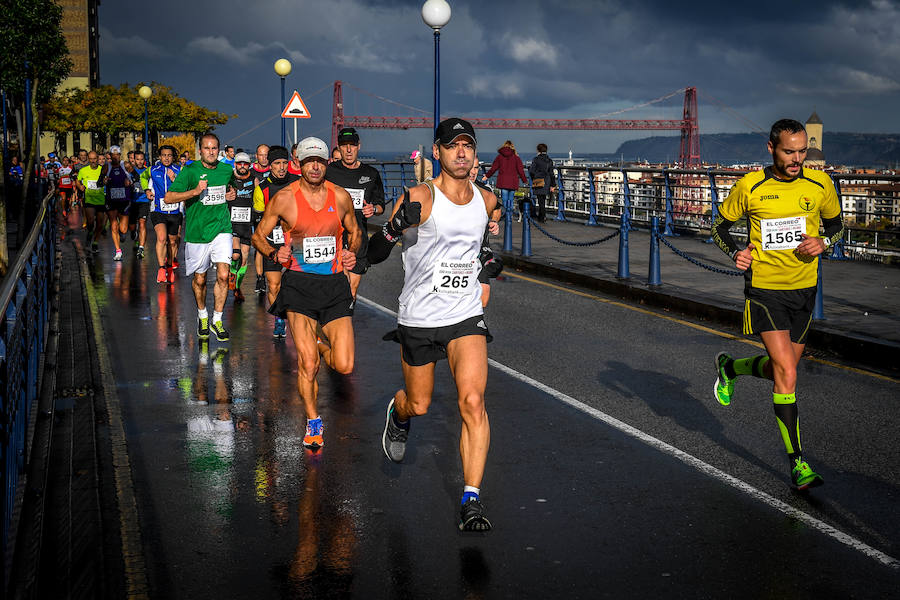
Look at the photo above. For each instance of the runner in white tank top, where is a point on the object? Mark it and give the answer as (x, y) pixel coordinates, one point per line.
(440, 315)
(440, 260)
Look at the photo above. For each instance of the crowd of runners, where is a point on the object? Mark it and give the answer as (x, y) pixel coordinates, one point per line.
(304, 211)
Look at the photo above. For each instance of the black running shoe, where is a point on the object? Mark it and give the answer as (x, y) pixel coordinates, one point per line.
(260, 285)
(218, 329)
(203, 328)
(472, 517)
(393, 439)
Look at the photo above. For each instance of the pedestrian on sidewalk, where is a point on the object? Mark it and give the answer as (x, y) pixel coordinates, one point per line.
(510, 170)
(543, 180)
(423, 168)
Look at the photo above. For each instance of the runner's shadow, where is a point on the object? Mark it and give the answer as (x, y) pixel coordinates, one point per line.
(667, 396)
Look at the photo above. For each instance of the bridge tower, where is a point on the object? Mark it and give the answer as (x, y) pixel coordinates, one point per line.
(337, 113)
(690, 131)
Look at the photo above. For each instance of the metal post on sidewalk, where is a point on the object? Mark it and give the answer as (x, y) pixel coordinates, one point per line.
(837, 251)
(592, 219)
(670, 221)
(624, 271)
(714, 203)
(560, 197)
(507, 231)
(626, 200)
(653, 277)
(819, 308)
(526, 227)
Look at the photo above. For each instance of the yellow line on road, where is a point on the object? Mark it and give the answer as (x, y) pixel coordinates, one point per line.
(136, 582)
(723, 334)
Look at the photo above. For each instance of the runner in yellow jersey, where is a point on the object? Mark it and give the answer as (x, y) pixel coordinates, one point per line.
(785, 205)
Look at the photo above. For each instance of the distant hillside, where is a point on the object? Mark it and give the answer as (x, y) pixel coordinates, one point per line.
(855, 149)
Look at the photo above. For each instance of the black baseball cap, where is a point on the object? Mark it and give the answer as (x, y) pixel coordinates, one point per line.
(348, 135)
(450, 129)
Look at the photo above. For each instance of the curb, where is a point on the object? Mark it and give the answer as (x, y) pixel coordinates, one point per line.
(864, 351)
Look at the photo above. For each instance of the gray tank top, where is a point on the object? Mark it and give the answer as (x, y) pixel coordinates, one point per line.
(440, 260)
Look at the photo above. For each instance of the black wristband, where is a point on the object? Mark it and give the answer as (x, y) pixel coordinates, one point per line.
(273, 255)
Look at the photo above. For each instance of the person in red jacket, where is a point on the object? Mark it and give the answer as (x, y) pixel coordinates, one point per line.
(510, 170)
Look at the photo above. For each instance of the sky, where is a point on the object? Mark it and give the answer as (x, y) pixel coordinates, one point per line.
(751, 62)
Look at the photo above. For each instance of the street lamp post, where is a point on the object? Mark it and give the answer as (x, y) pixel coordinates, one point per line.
(145, 92)
(282, 69)
(436, 14)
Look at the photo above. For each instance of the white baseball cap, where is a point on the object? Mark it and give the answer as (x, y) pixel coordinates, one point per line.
(115, 150)
(242, 157)
(311, 146)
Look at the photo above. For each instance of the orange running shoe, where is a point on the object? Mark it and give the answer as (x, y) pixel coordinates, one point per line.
(161, 276)
(313, 438)
(172, 274)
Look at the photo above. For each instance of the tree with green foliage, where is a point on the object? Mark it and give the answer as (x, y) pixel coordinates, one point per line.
(33, 48)
(109, 110)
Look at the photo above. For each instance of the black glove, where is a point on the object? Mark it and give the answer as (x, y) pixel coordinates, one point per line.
(409, 214)
(491, 265)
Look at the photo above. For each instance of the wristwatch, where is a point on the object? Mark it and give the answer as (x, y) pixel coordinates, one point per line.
(826, 241)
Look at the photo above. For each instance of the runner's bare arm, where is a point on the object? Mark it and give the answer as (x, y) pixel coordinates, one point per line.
(407, 213)
(176, 197)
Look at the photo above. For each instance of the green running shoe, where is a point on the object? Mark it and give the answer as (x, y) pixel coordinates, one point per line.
(724, 387)
(218, 328)
(203, 329)
(803, 477)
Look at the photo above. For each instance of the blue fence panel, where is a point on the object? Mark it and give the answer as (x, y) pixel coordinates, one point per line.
(24, 298)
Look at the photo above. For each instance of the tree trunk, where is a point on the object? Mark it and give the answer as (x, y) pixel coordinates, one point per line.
(29, 172)
(4, 249)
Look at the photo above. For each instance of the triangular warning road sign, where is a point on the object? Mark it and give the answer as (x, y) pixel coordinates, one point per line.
(295, 109)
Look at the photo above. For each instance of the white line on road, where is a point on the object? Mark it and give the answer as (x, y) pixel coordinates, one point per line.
(686, 458)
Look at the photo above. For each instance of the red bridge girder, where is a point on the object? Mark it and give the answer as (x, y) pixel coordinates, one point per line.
(688, 125)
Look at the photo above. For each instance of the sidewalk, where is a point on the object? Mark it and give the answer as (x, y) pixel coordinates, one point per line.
(861, 300)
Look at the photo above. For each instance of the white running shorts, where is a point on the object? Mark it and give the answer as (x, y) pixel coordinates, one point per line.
(198, 258)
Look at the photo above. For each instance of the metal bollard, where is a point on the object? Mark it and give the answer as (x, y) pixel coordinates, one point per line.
(560, 198)
(819, 309)
(624, 271)
(653, 277)
(526, 227)
(592, 218)
(670, 222)
(507, 231)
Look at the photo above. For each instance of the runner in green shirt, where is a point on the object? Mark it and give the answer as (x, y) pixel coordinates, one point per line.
(88, 182)
(204, 188)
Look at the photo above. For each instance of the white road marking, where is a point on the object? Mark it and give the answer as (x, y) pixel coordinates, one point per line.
(686, 458)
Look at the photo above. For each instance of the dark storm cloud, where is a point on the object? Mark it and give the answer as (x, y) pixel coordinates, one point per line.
(761, 60)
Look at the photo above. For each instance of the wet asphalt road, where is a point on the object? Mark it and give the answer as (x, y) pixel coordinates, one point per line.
(231, 505)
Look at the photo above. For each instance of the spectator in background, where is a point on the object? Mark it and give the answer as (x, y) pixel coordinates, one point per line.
(185, 158)
(16, 174)
(510, 170)
(423, 173)
(543, 180)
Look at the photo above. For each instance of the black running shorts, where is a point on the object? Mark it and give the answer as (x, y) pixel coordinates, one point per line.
(171, 221)
(424, 345)
(138, 210)
(120, 205)
(322, 298)
(269, 265)
(779, 310)
(242, 231)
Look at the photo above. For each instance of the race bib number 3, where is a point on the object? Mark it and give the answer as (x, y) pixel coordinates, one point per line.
(319, 249)
(358, 196)
(163, 205)
(240, 214)
(782, 234)
(117, 193)
(457, 277)
(215, 194)
(91, 184)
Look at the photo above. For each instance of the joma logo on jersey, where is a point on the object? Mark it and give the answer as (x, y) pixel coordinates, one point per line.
(808, 204)
(769, 197)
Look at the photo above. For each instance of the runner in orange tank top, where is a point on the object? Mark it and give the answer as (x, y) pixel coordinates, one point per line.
(314, 290)
(316, 234)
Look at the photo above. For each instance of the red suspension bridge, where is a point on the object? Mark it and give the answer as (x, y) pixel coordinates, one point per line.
(688, 124)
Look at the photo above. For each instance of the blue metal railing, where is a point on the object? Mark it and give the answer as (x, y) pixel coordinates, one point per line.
(688, 200)
(25, 298)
